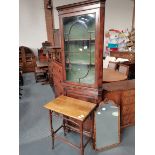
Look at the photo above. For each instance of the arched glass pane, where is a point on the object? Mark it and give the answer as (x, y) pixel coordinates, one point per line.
(79, 41)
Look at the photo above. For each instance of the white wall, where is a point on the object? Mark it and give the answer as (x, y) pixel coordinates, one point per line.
(32, 25)
(60, 3)
(118, 13)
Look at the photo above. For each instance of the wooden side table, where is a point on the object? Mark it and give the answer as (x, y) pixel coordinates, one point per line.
(72, 108)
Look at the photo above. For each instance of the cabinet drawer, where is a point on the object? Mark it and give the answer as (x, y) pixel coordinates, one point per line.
(127, 109)
(82, 94)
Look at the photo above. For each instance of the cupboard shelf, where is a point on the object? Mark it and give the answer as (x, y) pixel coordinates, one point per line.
(80, 40)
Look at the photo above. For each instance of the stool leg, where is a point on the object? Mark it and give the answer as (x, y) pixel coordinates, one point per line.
(81, 139)
(52, 130)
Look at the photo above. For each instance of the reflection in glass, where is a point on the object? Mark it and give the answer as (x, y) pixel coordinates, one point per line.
(107, 124)
(79, 42)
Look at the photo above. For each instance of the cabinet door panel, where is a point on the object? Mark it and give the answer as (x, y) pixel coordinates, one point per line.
(128, 93)
(79, 43)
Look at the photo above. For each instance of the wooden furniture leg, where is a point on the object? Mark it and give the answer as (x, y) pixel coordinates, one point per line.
(52, 130)
(92, 132)
(81, 139)
(64, 126)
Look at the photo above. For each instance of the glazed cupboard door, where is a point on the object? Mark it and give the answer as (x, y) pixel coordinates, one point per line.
(79, 48)
(82, 33)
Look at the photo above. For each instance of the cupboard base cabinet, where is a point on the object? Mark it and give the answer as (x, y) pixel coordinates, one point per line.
(123, 94)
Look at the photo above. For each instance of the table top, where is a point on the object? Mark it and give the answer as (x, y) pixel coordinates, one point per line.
(119, 85)
(71, 107)
(110, 75)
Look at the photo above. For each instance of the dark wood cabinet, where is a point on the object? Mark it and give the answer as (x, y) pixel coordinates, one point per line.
(123, 94)
(27, 60)
(82, 31)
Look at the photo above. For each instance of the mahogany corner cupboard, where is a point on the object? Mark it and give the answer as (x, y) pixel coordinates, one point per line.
(82, 34)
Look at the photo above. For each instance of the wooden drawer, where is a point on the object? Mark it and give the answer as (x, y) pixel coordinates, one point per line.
(127, 109)
(82, 97)
(82, 93)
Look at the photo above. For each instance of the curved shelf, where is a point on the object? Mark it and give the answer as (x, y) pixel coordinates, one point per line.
(80, 39)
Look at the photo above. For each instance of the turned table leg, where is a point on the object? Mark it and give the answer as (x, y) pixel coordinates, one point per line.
(92, 132)
(64, 126)
(81, 139)
(52, 130)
